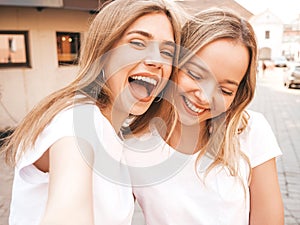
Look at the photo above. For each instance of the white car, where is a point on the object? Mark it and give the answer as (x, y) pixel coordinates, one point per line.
(291, 78)
(280, 61)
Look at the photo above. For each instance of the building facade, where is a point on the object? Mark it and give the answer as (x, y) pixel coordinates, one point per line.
(38, 48)
(291, 40)
(269, 32)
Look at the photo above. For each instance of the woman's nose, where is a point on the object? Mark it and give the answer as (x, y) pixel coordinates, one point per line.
(152, 62)
(205, 92)
(202, 97)
(153, 56)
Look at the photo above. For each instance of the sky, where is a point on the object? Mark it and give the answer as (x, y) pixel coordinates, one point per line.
(286, 10)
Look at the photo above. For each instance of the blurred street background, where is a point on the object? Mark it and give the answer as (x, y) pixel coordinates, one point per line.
(281, 107)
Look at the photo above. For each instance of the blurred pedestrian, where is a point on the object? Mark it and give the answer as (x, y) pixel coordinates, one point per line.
(264, 67)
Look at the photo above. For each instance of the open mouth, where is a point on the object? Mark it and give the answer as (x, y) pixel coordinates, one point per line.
(191, 106)
(142, 87)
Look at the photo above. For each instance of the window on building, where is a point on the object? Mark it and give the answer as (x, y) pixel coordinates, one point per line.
(14, 49)
(267, 34)
(67, 47)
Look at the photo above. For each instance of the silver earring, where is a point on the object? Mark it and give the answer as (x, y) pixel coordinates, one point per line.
(159, 97)
(102, 75)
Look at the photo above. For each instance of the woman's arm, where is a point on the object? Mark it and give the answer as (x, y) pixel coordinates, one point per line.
(70, 199)
(266, 207)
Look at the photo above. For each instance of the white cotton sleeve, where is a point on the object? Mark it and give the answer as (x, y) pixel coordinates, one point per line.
(258, 140)
(72, 122)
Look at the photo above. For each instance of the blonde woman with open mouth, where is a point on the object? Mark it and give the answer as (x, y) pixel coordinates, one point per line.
(67, 152)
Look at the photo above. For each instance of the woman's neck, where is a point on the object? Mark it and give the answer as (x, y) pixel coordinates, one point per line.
(116, 118)
(187, 139)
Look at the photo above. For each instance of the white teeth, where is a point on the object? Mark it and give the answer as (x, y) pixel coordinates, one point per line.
(145, 79)
(192, 107)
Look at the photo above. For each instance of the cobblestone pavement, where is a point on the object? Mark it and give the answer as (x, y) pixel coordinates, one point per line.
(6, 177)
(281, 107)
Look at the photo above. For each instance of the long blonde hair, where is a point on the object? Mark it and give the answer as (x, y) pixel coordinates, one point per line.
(107, 27)
(220, 136)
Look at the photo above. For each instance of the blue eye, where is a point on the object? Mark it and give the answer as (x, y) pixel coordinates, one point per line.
(137, 43)
(167, 53)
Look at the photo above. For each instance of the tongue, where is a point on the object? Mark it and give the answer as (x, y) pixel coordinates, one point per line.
(140, 91)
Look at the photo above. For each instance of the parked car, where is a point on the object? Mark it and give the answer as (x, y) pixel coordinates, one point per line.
(291, 78)
(280, 61)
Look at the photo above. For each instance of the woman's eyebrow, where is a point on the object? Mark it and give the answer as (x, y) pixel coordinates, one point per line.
(200, 66)
(150, 36)
(230, 82)
(169, 43)
(143, 33)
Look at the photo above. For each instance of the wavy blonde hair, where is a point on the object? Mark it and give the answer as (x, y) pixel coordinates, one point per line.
(106, 28)
(220, 138)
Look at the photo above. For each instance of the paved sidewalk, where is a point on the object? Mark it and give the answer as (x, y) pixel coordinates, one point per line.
(6, 177)
(281, 107)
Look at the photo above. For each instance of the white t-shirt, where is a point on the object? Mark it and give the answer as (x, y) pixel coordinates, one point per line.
(113, 202)
(170, 192)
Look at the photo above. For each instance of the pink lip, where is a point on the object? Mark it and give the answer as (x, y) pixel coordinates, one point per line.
(188, 109)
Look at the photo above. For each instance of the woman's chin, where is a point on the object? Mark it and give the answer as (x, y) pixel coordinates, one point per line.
(139, 108)
(187, 120)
